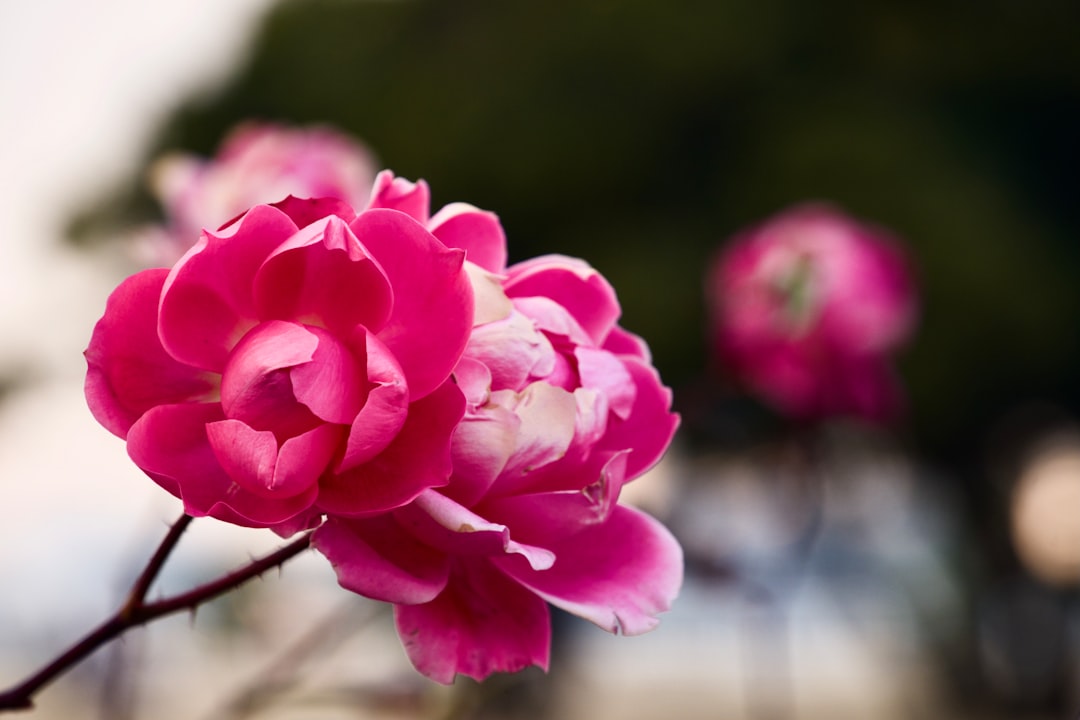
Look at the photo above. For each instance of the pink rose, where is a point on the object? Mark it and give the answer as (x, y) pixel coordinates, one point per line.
(807, 310)
(563, 407)
(293, 363)
(257, 163)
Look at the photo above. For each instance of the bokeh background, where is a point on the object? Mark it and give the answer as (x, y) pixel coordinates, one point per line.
(640, 136)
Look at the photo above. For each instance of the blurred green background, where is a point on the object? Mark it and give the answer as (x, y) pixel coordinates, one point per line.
(640, 135)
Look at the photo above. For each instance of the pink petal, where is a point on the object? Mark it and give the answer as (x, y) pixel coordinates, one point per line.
(417, 459)
(489, 301)
(482, 623)
(206, 303)
(513, 350)
(619, 574)
(322, 276)
(128, 371)
(256, 386)
(396, 193)
(572, 283)
(170, 444)
(433, 301)
(477, 232)
(551, 317)
(385, 409)
(545, 518)
(474, 380)
(333, 385)
(483, 443)
(602, 371)
(623, 342)
(547, 428)
(454, 529)
(304, 211)
(648, 430)
(376, 558)
(254, 461)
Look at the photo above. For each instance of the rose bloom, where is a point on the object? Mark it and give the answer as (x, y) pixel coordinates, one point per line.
(563, 407)
(293, 363)
(257, 163)
(807, 310)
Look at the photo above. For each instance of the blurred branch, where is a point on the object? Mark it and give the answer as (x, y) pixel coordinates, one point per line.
(136, 611)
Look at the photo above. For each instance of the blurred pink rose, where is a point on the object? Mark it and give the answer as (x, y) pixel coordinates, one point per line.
(257, 163)
(293, 363)
(563, 407)
(807, 310)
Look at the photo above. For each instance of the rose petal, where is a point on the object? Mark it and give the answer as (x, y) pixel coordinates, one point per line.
(545, 517)
(397, 193)
(482, 445)
(170, 444)
(256, 386)
(384, 411)
(333, 385)
(547, 428)
(304, 211)
(376, 558)
(602, 371)
(322, 276)
(513, 350)
(417, 459)
(433, 301)
(619, 574)
(482, 623)
(648, 430)
(451, 527)
(623, 342)
(207, 303)
(490, 302)
(128, 371)
(572, 283)
(477, 232)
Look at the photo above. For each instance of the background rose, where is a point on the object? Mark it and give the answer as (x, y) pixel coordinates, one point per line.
(563, 408)
(257, 163)
(295, 362)
(807, 310)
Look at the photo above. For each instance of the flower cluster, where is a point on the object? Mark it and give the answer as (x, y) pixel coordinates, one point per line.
(456, 430)
(807, 310)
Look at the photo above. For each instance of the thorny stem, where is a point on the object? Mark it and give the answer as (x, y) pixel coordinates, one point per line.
(136, 611)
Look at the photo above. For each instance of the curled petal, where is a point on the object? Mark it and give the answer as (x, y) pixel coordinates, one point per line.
(433, 301)
(513, 350)
(207, 302)
(548, 417)
(474, 380)
(395, 193)
(417, 459)
(376, 558)
(332, 385)
(482, 623)
(380, 419)
(618, 574)
(322, 276)
(602, 371)
(254, 461)
(304, 211)
(256, 385)
(572, 283)
(648, 430)
(549, 517)
(551, 317)
(128, 371)
(451, 527)
(170, 444)
(477, 232)
(483, 444)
